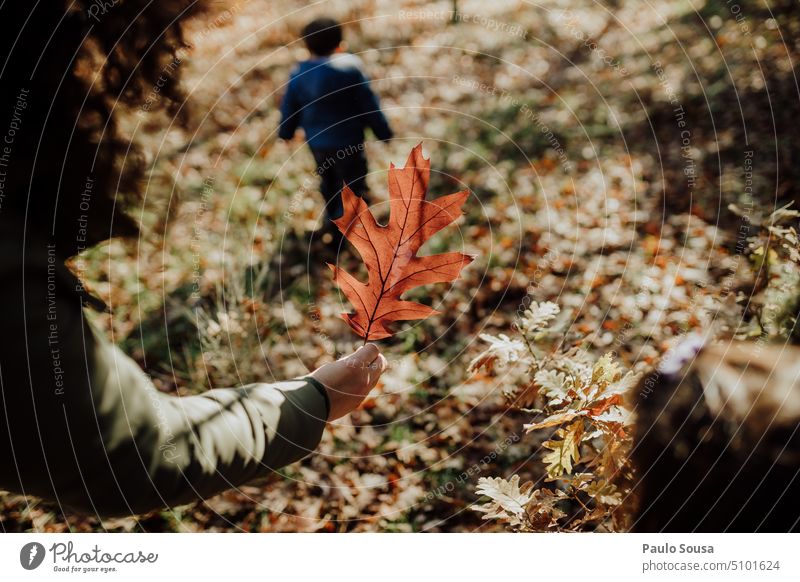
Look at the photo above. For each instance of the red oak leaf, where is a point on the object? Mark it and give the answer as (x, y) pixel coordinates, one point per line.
(390, 252)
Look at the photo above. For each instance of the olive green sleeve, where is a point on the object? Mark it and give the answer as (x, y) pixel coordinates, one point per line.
(197, 446)
(83, 426)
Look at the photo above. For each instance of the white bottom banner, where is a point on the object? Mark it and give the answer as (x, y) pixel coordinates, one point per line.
(390, 557)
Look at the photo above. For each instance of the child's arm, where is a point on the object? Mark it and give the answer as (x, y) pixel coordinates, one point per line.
(91, 430)
(371, 108)
(290, 113)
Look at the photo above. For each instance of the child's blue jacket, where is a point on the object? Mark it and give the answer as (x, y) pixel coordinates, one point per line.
(331, 100)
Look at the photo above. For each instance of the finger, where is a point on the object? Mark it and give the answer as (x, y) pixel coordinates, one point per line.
(366, 354)
(377, 365)
(374, 371)
(382, 363)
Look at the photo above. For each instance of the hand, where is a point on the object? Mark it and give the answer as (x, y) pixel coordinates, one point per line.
(349, 379)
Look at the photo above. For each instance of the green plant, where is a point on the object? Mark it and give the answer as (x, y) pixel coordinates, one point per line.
(581, 402)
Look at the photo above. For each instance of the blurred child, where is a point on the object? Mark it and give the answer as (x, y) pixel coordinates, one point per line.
(329, 97)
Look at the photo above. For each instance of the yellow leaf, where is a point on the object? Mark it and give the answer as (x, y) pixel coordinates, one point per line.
(565, 452)
(555, 420)
(606, 370)
(604, 492)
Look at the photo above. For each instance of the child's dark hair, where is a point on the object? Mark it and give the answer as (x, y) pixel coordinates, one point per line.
(322, 36)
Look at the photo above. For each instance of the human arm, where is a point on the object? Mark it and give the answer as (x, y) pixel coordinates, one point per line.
(370, 107)
(86, 428)
(290, 113)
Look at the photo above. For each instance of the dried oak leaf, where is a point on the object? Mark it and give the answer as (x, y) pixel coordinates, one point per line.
(507, 499)
(390, 252)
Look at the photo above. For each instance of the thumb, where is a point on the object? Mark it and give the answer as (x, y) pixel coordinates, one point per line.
(365, 355)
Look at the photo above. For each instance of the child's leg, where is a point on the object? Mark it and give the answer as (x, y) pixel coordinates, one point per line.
(330, 182)
(353, 172)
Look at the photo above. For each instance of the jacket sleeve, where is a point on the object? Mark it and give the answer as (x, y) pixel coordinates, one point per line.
(371, 108)
(290, 112)
(197, 446)
(86, 428)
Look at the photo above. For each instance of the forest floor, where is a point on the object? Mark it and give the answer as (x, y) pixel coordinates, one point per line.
(601, 145)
